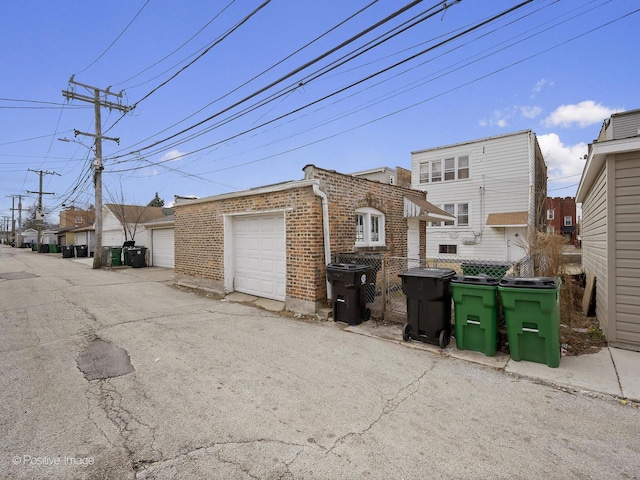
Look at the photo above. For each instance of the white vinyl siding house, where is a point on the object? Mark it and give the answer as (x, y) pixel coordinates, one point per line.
(505, 174)
(609, 192)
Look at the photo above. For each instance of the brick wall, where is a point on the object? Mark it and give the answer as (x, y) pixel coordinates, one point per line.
(563, 207)
(199, 229)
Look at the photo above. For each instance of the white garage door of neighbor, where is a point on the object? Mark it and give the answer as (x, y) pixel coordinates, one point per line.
(259, 256)
(162, 247)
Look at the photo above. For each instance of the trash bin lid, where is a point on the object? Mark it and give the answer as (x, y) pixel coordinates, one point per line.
(533, 282)
(347, 267)
(483, 280)
(428, 272)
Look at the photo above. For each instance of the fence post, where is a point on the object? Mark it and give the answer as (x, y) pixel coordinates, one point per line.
(385, 287)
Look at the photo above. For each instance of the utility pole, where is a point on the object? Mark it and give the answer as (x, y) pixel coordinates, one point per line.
(19, 242)
(98, 102)
(39, 211)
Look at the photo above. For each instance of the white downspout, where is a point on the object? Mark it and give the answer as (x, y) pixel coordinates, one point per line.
(325, 228)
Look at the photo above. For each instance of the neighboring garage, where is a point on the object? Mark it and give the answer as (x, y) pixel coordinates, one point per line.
(161, 242)
(259, 255)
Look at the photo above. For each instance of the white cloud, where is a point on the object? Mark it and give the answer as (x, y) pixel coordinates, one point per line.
(171, 155)
(540, 84)
(582, 114)
(530, 111)
(505, 117)
(565, 163)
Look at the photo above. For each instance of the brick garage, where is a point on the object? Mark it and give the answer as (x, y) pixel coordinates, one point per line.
(204, 226)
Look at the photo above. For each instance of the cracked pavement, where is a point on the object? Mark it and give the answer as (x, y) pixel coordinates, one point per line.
(225, 390)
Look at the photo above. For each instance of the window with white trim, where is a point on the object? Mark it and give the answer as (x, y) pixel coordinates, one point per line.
(550, 214)
(568, 221)
(369, 227)
(458, 210)
(447, 170)
(551, 230)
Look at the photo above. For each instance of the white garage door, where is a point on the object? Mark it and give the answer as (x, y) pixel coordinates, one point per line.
(162, 247)
(259, 256)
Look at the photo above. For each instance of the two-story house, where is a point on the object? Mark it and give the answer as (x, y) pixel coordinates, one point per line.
(562, 219)
(496, 188)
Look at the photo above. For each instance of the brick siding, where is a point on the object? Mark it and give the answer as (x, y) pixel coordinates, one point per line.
(199, 228)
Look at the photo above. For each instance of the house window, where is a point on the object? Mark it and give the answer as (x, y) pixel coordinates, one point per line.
(436, 171)
(550, 229)
(369, 227)
(448, 249)
(463, 214)
(424, 172)
(449, 168)
(458, 210)
(450, 208)
(568, 221)
(455, 168)
(463, 167)
(550, 214)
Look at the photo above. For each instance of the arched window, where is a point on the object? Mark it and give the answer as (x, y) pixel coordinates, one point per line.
(369, 227)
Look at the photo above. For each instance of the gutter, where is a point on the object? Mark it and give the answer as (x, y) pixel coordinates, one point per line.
(325, 228)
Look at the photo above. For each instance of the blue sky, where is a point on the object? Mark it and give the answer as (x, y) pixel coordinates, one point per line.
(231, 95)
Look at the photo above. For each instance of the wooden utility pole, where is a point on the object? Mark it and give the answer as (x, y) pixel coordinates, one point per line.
(98, 101)
(39, 211)
(19, 240)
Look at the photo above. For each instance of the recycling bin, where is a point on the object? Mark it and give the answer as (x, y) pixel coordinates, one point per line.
(428, 304)
(475, 302)
(137, 257)
(34, 247)
(532, 314)
(67, 251)
(495, 270)
(349, 284)
(53, 248)
(116, 256)
(82, 251)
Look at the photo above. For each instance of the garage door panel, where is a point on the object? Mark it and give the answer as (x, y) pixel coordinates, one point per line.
(162, 247)
(259, 251)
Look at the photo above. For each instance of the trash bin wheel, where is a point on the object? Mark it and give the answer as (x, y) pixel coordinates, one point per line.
(443, 339)
(367, 314)
(406, 333)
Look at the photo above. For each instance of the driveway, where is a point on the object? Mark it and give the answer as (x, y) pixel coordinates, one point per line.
(119, 375)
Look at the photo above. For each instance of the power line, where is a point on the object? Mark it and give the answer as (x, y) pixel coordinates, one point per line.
(174, 52)
(114, 41)
(291, 73)
(397, 111)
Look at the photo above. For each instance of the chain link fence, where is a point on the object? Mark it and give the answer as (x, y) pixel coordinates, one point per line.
(384, 292)
(396, 302)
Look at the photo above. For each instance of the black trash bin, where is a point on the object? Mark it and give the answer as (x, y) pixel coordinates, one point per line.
(137, 257)
(44, 248)
(126, 248)
(67, 251)
(82, 251)
(349, 284)
(371, 260)
(428, 292)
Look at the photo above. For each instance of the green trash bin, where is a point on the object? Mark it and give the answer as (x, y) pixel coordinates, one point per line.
(475, 300)
(532, 314)
(53, 248)
(116, 256)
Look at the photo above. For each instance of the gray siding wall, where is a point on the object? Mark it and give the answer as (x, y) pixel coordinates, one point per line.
(594, 243)
(627, 248)
(625, 125)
